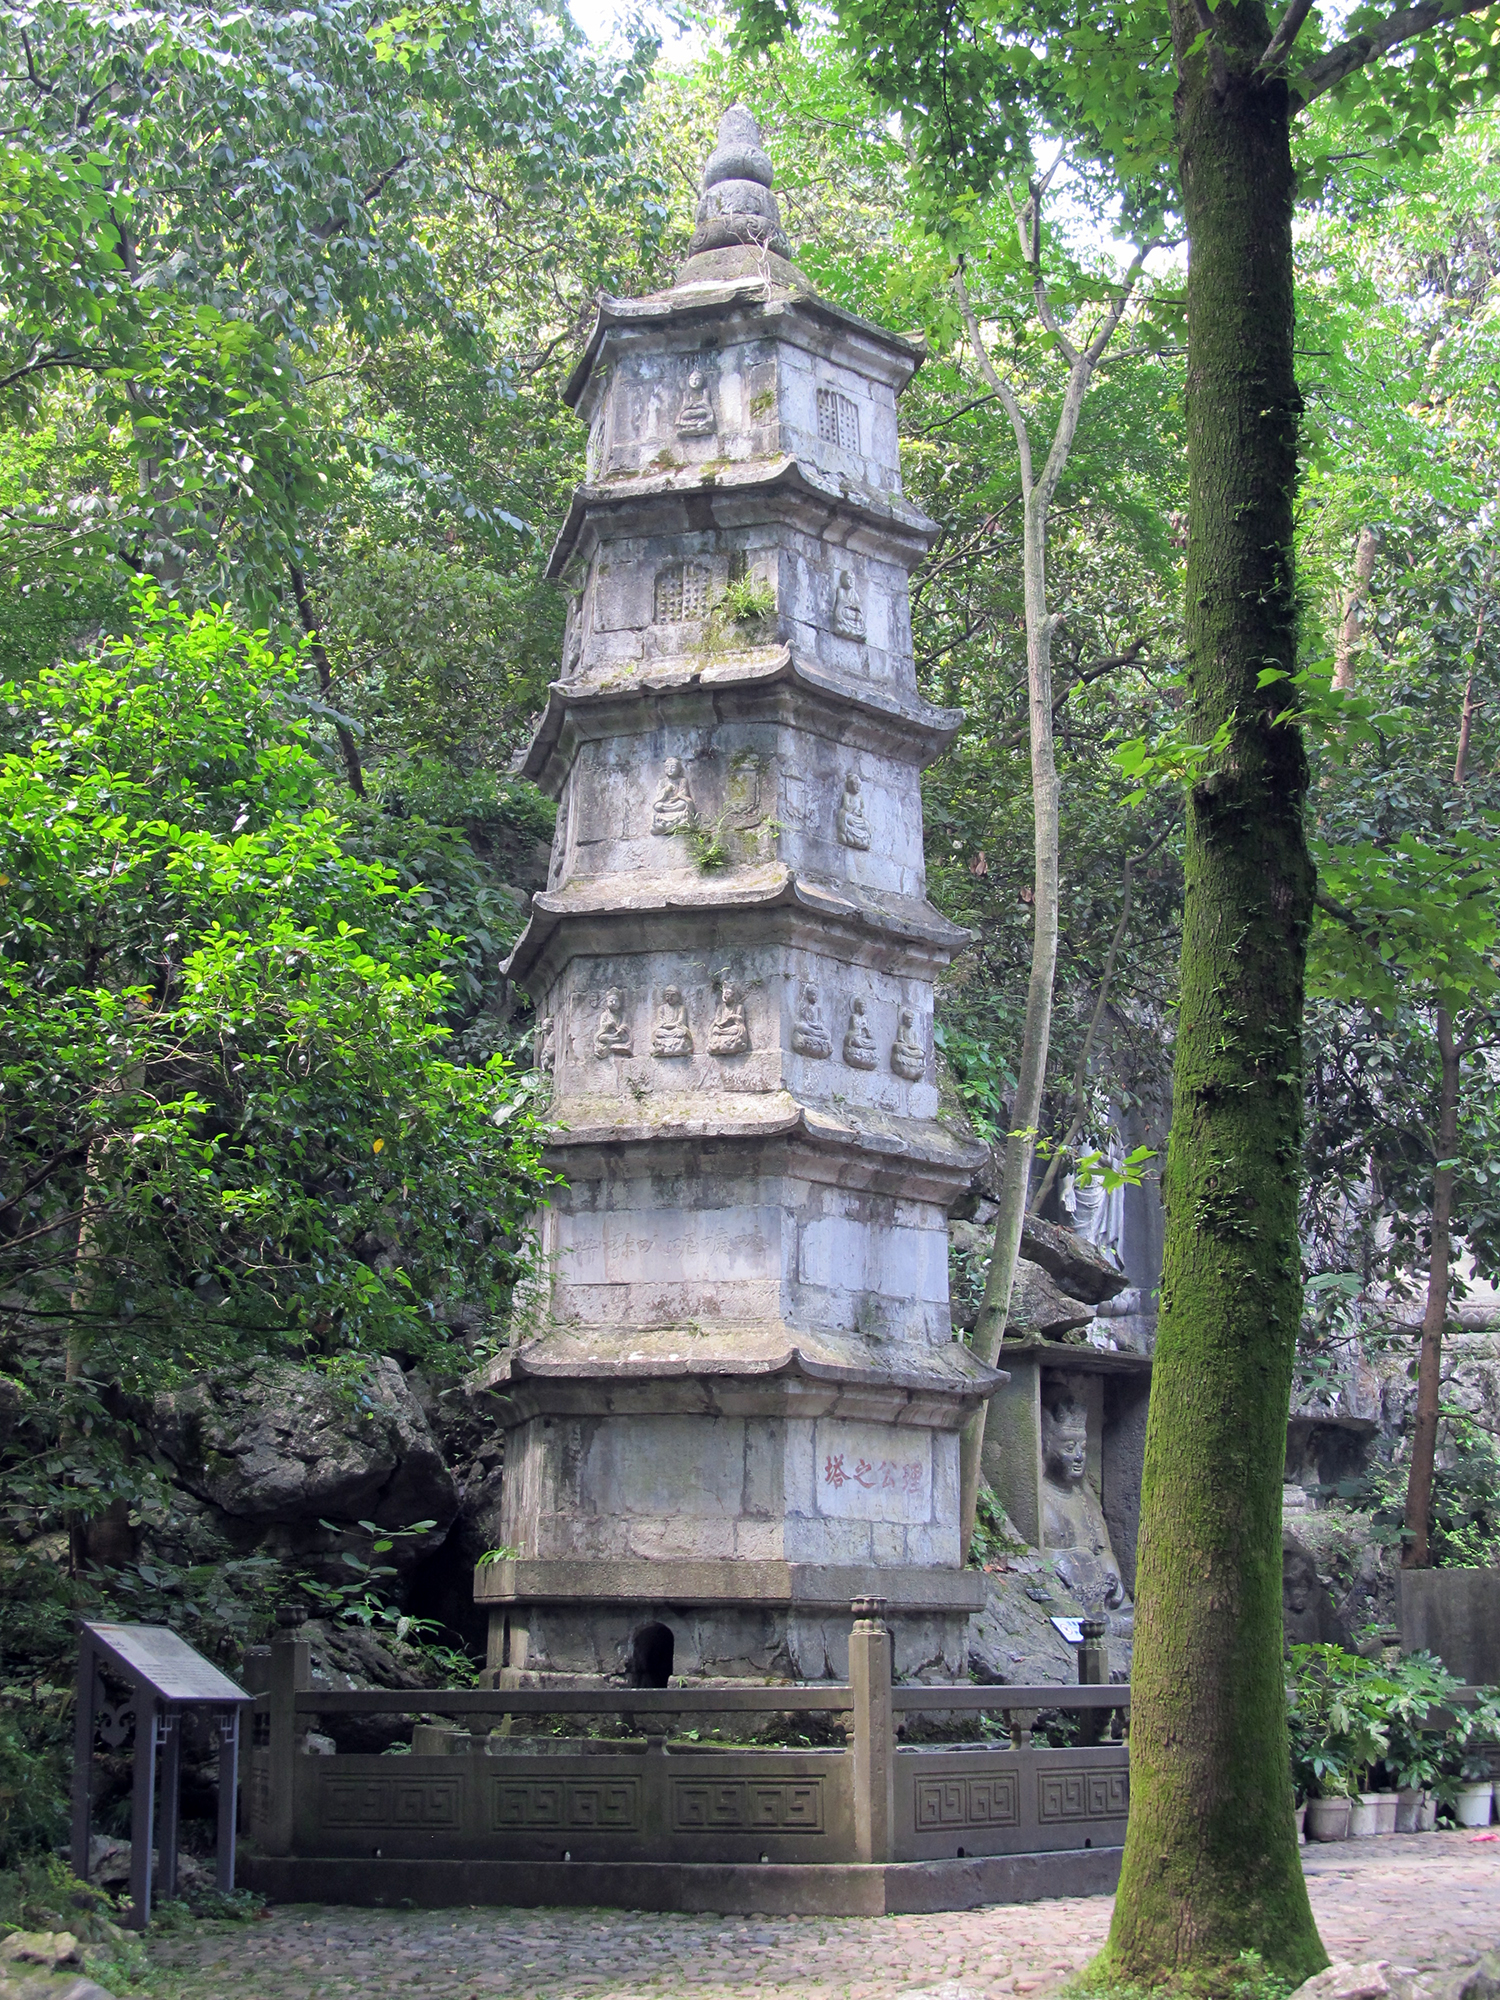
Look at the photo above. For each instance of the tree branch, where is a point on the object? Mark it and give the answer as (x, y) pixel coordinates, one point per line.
(324, 666)
(998, 385)
(1398, 26)
(1285, 35)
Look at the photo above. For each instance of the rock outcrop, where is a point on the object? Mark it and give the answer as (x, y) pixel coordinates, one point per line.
(273, 1448)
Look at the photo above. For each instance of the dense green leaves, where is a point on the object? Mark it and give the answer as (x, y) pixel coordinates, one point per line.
(228, 1121)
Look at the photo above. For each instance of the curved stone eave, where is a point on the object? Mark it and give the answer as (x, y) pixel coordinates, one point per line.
(709, 299)
(952, 1377)
(877, 1141)
(709, 491)
(627, 900)
(601, 702)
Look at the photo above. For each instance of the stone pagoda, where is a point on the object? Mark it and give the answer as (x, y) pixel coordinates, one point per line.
(734, 1404)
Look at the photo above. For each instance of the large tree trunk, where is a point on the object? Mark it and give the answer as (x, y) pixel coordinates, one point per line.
(1211, 1866)
(1418, 1521)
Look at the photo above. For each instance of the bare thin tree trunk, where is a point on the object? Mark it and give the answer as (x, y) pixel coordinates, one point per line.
(1415, 1553)
(1081, 1074)
(308, 614)
(1037, 491)
(1352, 624)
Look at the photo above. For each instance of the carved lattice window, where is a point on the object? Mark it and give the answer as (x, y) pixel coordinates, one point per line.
(681, 592)
(838, 420)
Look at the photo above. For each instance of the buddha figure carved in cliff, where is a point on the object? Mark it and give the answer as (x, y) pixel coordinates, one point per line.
(1073, 1521)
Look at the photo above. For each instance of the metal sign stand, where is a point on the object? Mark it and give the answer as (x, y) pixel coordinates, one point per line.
(167, 1679)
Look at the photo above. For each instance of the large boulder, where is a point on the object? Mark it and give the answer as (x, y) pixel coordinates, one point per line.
(1013, 1640)
(1080, 1269)
(273, 1444)
(1040, 1309)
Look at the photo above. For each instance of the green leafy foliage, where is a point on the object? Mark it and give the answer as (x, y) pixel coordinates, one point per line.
(229, 1121)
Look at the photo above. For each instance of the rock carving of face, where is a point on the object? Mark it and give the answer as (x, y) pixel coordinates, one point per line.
(1065, 1444)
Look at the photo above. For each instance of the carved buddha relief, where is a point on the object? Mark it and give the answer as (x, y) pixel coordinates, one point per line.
(695, 415)
(848, 613)
(672, 1036)
(612, 1036)
(544, 1045)
(1072, 1518)
(853, 827)
(908, 1056)
(730, 1033)
(809, 1036)
(672, 807)
(859, 1042)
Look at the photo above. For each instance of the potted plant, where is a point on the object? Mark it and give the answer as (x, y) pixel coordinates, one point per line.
(1416, 1728)
(1336, 1723)
(1475, 1730)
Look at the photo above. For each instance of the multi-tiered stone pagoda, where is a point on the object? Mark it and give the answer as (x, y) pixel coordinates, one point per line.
(735, 1404)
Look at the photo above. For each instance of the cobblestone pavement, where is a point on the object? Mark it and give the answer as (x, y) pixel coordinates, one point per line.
(1428, 1901)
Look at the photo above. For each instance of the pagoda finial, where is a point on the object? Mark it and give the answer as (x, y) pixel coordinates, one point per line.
(738, 209)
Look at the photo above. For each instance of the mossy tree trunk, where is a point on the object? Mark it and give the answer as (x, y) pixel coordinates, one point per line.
(1211, 1866)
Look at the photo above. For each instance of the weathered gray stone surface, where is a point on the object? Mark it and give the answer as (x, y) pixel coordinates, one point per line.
(1081, 1269)
(270, 1445)
(741, 1352)
(1040, 1309)
(1012, 1640)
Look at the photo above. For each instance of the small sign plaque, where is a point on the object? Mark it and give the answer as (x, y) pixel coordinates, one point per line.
(1071, 1629)
(165, 1661)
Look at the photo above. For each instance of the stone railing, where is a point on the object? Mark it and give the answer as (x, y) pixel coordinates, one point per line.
(515, 1819)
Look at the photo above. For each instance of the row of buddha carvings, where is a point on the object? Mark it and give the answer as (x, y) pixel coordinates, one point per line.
(673, 809)
(729, 1033)
(683, 592)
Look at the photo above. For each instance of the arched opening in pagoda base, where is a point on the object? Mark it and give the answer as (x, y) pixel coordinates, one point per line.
(651, 1651)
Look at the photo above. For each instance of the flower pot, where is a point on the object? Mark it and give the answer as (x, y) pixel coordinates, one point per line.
(1328, 1819)
(1473, 1803)
(1427, 1813)
(1387, 1805)
(1408, 1808)
(1300, 1816)
(1364, 1817)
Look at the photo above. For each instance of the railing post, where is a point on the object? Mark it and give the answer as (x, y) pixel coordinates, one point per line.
(874, 1748)
(290, 1674)
(1093, 1671)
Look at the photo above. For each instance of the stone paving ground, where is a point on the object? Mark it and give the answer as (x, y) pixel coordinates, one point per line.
(1424, 1902)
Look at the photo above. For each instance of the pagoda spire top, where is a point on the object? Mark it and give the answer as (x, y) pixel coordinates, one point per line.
(738, 210)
